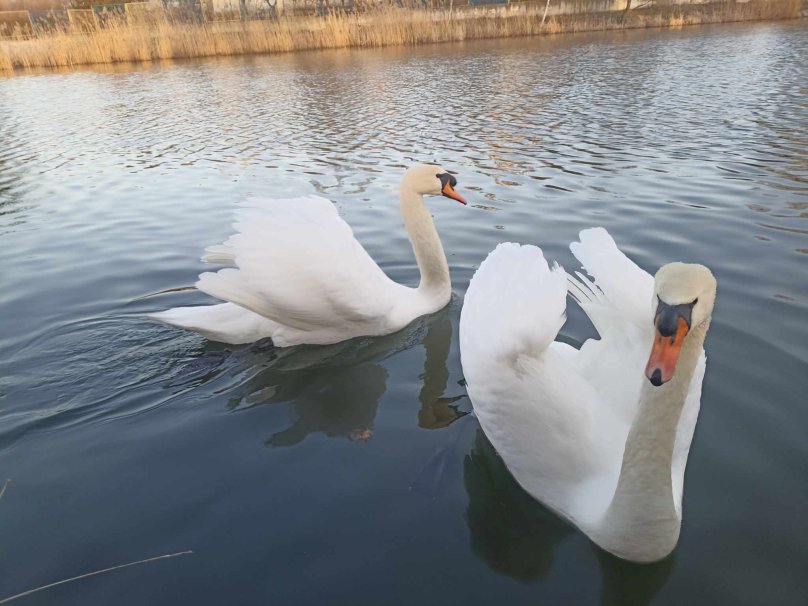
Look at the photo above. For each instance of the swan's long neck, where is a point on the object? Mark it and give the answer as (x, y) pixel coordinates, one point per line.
(642, 522)
(435, 280)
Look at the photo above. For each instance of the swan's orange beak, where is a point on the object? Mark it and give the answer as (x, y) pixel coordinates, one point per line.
(447, 188)
(672, 323)
(449, 192)
(665, 354)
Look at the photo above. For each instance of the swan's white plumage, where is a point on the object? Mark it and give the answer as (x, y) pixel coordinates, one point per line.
(220, 254)
(225, 322)
(624, 290)
(297, 266)
(559, 417)
(621, 303)
(297, 274)
(526, 293)
(298, 260)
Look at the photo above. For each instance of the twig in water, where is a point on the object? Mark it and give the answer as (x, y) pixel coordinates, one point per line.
(163, 292)
(3, 490)
(89, 574)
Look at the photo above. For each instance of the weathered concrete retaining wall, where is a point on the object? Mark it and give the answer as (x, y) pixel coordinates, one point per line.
(13, 12)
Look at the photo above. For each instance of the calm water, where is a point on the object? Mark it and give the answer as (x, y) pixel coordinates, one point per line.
(353, 474)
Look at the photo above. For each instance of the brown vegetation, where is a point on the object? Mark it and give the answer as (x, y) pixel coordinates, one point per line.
(147, 38)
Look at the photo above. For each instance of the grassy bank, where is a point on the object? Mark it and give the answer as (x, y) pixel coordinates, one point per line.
(122, 42)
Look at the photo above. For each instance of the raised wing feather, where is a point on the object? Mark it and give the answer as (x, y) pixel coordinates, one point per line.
(618, 301)
(298, 264)
(524, 387)
(559, 417)
(514, 305)
(621, 291)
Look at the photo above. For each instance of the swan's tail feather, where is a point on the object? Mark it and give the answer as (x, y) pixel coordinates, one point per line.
(220, 254)
(197, 319)
(226, 322)
(515, 304)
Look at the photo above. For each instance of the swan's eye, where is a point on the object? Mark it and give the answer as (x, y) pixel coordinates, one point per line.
(696, 300)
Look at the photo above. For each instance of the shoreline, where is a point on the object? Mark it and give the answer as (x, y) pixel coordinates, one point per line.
(123, 42)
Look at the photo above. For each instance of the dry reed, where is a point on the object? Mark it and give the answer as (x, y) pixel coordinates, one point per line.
(92, 574)
(86, 574)
(159, 39)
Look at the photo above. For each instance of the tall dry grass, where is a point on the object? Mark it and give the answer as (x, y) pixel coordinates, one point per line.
(159, 39)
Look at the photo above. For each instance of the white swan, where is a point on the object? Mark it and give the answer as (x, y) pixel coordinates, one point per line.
(300, 276)
(601, 434)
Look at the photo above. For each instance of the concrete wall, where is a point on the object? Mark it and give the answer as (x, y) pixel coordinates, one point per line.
(227, 10)
(219, 9)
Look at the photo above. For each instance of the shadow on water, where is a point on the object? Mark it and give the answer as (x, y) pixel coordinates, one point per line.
(333, 390)
(510, 531)
(631, 584)
(518, 537)
(340, 403)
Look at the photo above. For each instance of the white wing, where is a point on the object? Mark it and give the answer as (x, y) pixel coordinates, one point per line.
(530, 400)
(557, 416)
(620, 305)
(514, 305)
(298, 264)
(622, 292)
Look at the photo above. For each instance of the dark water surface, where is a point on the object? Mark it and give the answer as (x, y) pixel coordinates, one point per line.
(352, 474)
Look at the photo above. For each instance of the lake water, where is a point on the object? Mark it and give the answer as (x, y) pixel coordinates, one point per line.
(352, 474)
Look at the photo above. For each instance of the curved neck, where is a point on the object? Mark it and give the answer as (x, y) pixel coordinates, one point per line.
(426, 244)
(642, 522)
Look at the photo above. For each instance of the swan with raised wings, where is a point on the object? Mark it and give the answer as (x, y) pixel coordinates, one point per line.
(299, 275)
(600, 434)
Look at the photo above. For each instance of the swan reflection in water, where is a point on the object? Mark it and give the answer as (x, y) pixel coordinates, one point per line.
(337, 403)
(437, 411)
(335, 390)
(517, 536)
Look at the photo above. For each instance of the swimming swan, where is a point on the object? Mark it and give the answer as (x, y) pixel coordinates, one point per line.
(601, 434)
(300, 276)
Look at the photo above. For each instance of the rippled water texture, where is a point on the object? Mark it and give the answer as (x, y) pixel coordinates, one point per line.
(353, 474)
